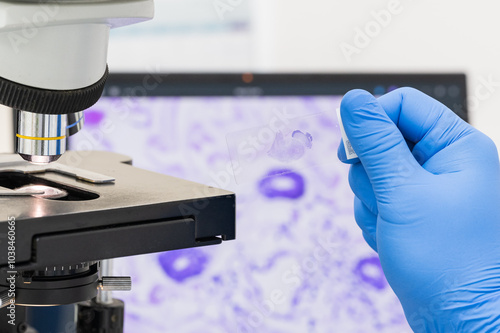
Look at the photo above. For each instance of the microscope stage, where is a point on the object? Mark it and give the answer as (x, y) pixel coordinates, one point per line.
(91, 206)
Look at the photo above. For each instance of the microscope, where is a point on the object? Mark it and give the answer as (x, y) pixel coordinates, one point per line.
(64, 215)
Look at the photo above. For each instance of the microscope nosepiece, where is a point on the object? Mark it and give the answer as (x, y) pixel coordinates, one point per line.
(45, 117)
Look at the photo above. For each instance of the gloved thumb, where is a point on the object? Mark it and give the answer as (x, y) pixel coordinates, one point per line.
(378, 142)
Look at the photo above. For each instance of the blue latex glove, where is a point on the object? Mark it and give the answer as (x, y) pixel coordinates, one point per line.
(427, 189)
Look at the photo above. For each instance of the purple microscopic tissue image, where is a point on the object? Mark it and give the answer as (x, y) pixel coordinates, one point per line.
(183, 264)
(292, 148)
(93, 117)
(299, 263)
(282, 183)
(370, 271)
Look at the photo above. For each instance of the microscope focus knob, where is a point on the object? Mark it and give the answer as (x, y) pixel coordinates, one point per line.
(120, 283)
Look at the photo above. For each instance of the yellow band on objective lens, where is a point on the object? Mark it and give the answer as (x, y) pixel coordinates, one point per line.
(40, 139)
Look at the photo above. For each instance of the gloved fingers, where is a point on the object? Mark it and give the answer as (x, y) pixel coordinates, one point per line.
(362, 188)
(370, 241)
(365, 219)
(475, 158)
(410, 144)
(378, 142)
(342, 155)
(423, 120)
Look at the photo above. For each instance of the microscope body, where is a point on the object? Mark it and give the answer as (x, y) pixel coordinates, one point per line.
(53, 66)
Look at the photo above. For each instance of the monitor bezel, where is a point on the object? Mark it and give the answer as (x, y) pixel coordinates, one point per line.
(283, 84)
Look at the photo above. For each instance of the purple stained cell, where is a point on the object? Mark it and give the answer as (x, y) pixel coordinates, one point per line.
(305, 138)
(133, 316)
(282, 184)
(156, 295)
(181, 265)
(93, 117)
(370, 271)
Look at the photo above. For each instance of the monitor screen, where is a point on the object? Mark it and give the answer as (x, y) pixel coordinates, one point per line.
(299, 263)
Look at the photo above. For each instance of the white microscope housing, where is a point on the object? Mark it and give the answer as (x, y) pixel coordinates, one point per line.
(53, 65)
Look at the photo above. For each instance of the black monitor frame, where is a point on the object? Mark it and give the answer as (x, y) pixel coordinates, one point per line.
(247, 84)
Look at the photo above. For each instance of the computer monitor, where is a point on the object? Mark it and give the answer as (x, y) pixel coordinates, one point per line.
(299, 263)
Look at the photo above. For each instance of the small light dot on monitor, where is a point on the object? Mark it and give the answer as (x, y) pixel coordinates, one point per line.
(453, 91)
(114, 91)
(440, 91)
(379, 90)
(247, 77)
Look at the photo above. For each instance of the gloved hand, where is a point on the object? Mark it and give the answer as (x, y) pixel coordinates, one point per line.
(427, 189)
